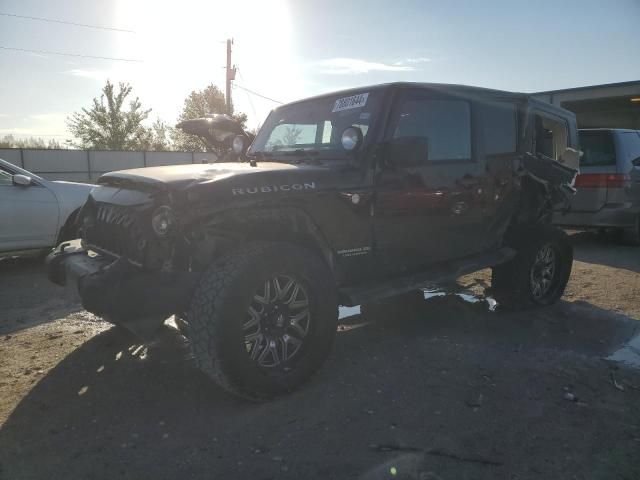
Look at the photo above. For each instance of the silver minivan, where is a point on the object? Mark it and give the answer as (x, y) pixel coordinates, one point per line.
(608, 186)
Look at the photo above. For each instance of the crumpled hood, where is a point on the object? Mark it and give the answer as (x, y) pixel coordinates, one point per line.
(221, 184)
(180, 176)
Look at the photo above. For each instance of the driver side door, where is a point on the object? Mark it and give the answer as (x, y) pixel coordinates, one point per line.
(28, 215)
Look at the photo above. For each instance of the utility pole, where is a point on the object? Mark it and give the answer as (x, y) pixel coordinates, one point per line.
(231, 75)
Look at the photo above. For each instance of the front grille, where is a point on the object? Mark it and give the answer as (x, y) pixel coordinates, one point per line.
(116, 230)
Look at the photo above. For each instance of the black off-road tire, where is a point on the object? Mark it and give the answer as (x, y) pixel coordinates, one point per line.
(392, 307)
(219, 308)
(511, 282)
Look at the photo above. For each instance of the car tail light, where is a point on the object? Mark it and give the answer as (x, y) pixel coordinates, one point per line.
(596, 180)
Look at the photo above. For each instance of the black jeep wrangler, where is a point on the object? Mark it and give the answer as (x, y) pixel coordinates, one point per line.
(351, 198)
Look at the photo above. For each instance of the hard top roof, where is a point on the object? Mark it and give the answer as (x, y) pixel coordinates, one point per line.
(444, 87)
(452, 89)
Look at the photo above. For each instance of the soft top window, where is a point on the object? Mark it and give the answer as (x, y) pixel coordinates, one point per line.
(499, 127)
(551, 136)
(444, 124)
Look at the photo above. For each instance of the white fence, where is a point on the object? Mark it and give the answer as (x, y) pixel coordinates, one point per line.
(88, 165)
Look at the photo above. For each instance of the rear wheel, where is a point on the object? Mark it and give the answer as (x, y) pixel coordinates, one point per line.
(263, 319)
(539, 273)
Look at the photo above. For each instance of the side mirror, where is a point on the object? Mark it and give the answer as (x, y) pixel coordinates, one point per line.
(408, 151)
(22, 180)
(352, 139)
(636, 162)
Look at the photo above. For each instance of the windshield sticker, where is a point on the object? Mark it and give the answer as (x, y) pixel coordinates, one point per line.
(347, 103)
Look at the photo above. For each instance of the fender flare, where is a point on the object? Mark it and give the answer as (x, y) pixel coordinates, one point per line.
(244, 224)
(68, 223)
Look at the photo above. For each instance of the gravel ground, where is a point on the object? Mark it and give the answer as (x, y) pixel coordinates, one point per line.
(446, 390)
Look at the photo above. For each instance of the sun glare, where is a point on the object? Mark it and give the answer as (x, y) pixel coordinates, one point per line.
(181, 45)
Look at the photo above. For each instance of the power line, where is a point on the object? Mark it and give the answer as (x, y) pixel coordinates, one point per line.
(49, 52)
(50, 20)
(253, 108)
(257, 94)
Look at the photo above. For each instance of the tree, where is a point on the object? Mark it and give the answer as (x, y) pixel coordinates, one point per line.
(291, 135)
(108, 124)
(158, 137)
(198, 104)
(9, 141)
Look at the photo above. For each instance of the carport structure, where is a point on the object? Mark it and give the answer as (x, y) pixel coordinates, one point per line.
(613, 105)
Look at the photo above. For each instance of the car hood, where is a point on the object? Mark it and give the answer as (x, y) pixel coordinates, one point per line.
(222, 185)
(220, 181)
(181, 176)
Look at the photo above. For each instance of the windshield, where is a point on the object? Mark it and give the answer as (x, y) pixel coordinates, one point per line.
(317, 125)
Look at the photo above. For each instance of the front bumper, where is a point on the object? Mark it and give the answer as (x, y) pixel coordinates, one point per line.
(117, 289)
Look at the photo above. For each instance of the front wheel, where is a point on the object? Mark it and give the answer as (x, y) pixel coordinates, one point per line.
(539, 273)
(263, 319)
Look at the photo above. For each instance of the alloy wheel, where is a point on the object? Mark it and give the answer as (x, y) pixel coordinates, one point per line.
(543, 270)
(277, 323)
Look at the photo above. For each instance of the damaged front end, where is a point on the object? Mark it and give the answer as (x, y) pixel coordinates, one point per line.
(127, 267)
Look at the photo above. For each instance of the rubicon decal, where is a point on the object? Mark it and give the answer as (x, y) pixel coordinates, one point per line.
(354, 252)
(274, 188)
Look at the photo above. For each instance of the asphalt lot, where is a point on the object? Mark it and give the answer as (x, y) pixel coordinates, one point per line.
(446, 390)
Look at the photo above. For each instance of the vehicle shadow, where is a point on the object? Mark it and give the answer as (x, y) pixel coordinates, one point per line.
(115, 408)
(591, 247)
(27, 297)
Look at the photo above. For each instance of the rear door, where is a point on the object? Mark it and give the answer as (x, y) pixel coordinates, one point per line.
(430, 211)
(498, 126)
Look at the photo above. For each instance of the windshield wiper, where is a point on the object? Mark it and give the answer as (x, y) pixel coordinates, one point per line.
(260, 155)
(304, 154)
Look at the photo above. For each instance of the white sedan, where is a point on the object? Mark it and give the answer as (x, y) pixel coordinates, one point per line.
(36, 214)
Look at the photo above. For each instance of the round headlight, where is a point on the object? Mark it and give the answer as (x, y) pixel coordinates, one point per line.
(163, 221)
(238, 144)
(351, 138)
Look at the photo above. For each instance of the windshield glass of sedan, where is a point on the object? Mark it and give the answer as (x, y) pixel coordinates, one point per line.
(317, 124)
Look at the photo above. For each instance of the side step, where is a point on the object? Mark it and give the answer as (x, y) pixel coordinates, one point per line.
(440, 272)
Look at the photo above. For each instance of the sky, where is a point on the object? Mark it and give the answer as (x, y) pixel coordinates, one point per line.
(291, 49)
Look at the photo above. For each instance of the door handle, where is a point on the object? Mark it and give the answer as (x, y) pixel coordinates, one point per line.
(357, 198)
